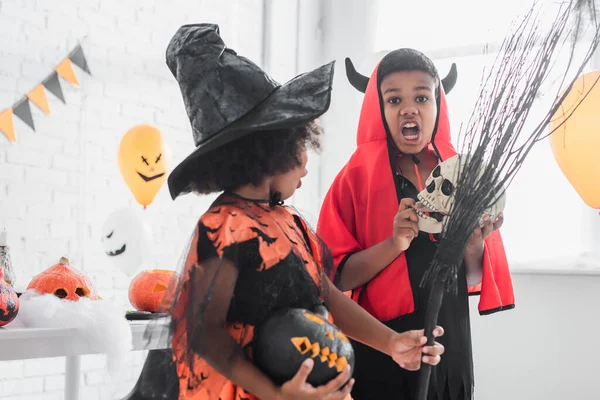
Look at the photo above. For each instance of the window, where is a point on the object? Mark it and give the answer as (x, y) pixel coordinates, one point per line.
(442, 24)
(547, 223)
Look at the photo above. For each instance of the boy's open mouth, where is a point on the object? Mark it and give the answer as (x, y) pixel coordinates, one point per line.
(410, 130)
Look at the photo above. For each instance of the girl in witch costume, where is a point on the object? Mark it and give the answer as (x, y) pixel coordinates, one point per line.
(368, 222)
(249, 255)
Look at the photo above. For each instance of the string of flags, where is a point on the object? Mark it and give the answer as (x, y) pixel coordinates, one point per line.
(37, 95)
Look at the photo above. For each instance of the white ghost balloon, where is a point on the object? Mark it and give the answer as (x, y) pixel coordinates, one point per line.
(126, 239)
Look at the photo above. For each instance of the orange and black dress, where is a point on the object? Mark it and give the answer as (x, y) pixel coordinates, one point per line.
(246, 259)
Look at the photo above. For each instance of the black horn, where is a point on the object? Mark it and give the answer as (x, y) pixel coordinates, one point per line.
(450, 80)
(357, 80)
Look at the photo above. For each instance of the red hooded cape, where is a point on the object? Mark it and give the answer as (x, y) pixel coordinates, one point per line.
(360, 206)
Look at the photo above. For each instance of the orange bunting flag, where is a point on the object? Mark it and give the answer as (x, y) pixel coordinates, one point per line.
(65, 70)
(38, 97)
(6, 124)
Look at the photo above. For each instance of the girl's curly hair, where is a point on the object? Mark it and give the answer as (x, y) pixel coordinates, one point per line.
(254, 157)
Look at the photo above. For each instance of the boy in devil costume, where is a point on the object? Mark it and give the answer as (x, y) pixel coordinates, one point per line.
(368, 222)
(250, 255)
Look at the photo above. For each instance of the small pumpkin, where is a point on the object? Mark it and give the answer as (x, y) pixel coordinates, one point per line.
(64, 281)
(290, 336)
(148, 290)
(9, 301)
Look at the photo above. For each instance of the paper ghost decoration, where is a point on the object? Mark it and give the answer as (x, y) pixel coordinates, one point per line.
(144, 161)
(126, 239)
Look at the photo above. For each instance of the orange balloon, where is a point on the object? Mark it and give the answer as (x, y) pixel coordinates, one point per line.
(144, 161)
(576, 143)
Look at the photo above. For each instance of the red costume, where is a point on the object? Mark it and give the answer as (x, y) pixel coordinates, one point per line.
(359, 208)
(358, 213)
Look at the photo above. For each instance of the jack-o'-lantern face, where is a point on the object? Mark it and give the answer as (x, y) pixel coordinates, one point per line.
(150, 165)
(291, 336)
(143, 161)
(63, 281)
(148, 290)
(147, 158)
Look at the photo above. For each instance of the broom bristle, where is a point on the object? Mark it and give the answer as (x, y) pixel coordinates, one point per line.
(495, 138)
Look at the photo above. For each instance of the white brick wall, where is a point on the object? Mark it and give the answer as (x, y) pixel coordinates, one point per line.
(58, 184)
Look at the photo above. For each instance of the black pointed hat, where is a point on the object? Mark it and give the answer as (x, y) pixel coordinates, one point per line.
(227, 96)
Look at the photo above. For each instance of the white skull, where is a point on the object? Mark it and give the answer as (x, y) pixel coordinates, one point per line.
(438, 196)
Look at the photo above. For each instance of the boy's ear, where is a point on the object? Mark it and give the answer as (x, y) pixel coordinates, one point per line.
(450, 80)
(357, 80)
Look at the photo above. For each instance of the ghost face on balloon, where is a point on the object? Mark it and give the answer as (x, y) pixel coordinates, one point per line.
(125, 240)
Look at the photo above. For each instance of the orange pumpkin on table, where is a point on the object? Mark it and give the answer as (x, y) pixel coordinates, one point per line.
(64, 281)
(148, 290)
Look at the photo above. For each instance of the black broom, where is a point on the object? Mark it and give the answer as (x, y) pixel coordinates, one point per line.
(495, 139)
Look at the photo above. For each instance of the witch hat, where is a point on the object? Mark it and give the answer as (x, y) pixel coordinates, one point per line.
(227, 96)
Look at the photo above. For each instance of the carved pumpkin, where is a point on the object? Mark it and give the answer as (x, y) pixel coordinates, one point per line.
(9, 302)
(291, 336)
(64, 282)
(148, 289)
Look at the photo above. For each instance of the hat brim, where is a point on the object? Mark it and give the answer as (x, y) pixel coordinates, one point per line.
(300, 100)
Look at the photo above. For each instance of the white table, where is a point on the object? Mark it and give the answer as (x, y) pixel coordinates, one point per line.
(27, 343)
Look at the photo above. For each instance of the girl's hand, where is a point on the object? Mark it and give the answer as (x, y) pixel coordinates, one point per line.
(297, 388)
(407, 349)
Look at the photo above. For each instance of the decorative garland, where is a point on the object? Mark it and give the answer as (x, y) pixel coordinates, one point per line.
(37, 96)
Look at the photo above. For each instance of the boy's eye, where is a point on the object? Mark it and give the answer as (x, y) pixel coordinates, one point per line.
(422, 99)
(394, 100)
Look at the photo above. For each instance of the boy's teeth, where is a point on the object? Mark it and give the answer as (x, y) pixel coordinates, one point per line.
(410, 125)
(411, 137)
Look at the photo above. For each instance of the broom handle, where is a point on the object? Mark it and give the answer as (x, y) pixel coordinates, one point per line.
(431, 315)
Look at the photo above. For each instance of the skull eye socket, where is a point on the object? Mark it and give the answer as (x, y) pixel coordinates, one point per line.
(60, 293)
(436, 172)
(81, 292)
(447, 187)
(431, 187)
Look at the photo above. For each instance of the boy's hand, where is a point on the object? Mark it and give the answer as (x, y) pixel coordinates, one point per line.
(405, 224)
(407, 349)
(479, 235)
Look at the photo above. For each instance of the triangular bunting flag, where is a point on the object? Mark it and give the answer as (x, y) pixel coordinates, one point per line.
(23, 111)
(78, 59)
(52, 84)
(65, 70)
(38, 97)
(6, 124)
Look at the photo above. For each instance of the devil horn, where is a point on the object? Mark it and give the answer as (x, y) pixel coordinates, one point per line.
(450, 80)
(357, 80)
